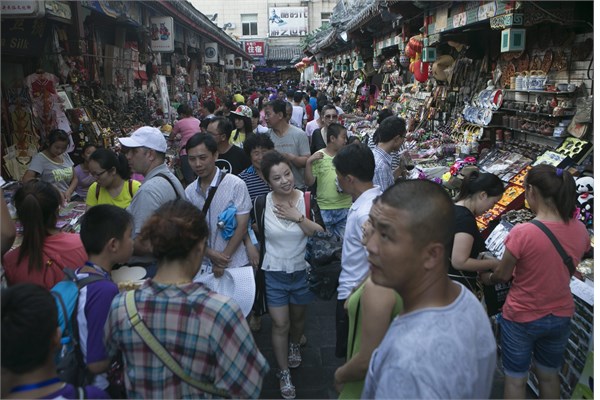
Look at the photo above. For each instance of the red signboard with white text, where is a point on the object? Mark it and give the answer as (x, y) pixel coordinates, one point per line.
(255, 49)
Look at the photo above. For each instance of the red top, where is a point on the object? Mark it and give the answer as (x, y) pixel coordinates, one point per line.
(63, 250)
(541, 279)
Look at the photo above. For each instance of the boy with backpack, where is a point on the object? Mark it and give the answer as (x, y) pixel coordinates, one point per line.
(106, 236)
(30, 341)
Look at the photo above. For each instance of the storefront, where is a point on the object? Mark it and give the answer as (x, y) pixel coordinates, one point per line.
(504, 85)
(98, 70)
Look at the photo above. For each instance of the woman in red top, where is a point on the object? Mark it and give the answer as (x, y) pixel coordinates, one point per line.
(536, 316)
(45, 251)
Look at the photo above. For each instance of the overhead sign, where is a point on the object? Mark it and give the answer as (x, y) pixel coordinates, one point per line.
(288, 21)
(162, 34)
(24, 36)
(229, 58)
(22, 9)
(255, 48)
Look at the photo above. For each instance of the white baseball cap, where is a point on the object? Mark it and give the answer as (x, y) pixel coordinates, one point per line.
(146, 136)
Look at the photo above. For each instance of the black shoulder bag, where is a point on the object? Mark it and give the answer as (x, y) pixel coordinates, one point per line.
(563, 254)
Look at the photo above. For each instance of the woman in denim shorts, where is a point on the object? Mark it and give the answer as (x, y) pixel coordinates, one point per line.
(536, 317)
(286, 230)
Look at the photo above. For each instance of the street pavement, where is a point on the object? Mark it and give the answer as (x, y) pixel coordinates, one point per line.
(314, 377)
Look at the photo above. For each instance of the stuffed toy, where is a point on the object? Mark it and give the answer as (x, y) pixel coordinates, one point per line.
(585, 198)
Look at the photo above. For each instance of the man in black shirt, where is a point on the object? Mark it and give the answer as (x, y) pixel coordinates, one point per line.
(231, 158)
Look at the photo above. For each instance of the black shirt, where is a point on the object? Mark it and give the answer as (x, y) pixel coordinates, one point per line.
(234, 161)
(464, 222)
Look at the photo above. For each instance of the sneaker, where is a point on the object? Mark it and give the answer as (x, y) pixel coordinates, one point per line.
(294, 356)
(254, 323)
(288, 391)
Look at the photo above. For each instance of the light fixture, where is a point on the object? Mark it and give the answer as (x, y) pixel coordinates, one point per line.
(344, 36)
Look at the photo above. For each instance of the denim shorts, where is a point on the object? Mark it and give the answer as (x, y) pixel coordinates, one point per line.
(335, 220)
(546, 338)
(283, 288)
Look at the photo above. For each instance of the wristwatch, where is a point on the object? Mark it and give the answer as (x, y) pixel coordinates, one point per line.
(300, 219)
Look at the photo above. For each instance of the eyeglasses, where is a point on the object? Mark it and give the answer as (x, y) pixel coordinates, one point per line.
(97, 175)
(329, 116)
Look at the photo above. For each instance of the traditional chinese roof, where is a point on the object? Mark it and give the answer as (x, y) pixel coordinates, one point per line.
(283, 53)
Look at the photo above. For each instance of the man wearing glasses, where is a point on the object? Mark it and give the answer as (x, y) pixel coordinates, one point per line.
(145, 151)
(328, 116)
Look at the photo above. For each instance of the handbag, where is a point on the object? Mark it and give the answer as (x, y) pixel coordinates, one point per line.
(567, 260)
(159, 351)
(324, 254)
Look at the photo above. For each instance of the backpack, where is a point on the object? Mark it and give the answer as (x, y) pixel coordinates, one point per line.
(70, 366)
(130, 190)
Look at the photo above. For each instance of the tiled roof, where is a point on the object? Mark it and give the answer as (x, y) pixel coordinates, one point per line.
(283, 53)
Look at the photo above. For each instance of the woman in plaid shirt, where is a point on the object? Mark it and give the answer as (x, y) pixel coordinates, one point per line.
(205, 332)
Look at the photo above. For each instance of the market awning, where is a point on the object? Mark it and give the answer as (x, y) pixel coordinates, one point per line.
(283, 53)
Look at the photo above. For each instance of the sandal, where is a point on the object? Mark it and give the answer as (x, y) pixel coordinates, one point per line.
(288, 391)
(294, 356)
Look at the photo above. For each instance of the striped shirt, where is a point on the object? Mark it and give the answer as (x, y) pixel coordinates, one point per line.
(256, 186)
(204, 331)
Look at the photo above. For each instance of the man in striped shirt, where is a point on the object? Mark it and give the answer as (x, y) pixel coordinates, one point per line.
(388, 137)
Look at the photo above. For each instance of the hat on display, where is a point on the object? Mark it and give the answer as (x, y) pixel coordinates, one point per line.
(237, 283)
(439, 70)
(243, 111)
(146, 136)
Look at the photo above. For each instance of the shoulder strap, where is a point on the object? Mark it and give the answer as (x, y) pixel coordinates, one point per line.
(307, 205)
(158, 349)
(260, 203)
(97, 191)
(211, 193)
(131, 188)
(563, 254)
(170, 183)
(81, 391)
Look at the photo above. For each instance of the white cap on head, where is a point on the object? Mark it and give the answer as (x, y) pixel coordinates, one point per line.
(146, 136)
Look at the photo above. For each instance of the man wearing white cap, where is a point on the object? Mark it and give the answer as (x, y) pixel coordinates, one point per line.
(145, 150)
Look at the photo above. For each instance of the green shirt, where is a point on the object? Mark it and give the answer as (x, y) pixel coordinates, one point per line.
(328, 197)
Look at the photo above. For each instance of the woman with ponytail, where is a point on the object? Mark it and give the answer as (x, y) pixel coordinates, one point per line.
(45, 251)
(536, 316)
(113, 184)
(478, 193)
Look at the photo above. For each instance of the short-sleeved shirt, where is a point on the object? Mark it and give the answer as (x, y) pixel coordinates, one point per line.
(63, 250)
(298, 116)
(328, 196)
(92, 311)
(384, 177)
(295, 142)
(153, 193)
(355, 265)
(203, 330)
(439, 352)
(254, 183)
(541, 280)
(186, 127)
(84, 180)
(464, 222)
(230, 191)
(58, 174)
(234, 161)
(122, 200)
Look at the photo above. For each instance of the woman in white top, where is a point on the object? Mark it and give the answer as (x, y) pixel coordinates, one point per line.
(53, 165)
(286, 230)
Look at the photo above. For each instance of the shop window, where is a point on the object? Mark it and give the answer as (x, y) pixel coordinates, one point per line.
(249, 24)
(325, 18)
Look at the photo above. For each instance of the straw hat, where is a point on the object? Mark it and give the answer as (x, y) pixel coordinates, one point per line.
(438, 70)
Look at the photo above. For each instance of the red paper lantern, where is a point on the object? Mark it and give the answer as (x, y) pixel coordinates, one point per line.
(306, 60)
(409, 51)
(421, 70)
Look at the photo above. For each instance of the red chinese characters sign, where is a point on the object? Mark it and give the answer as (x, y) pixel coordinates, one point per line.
(255, 49)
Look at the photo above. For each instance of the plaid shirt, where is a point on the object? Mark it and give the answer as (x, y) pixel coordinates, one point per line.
(384, 178)
(204, 331)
